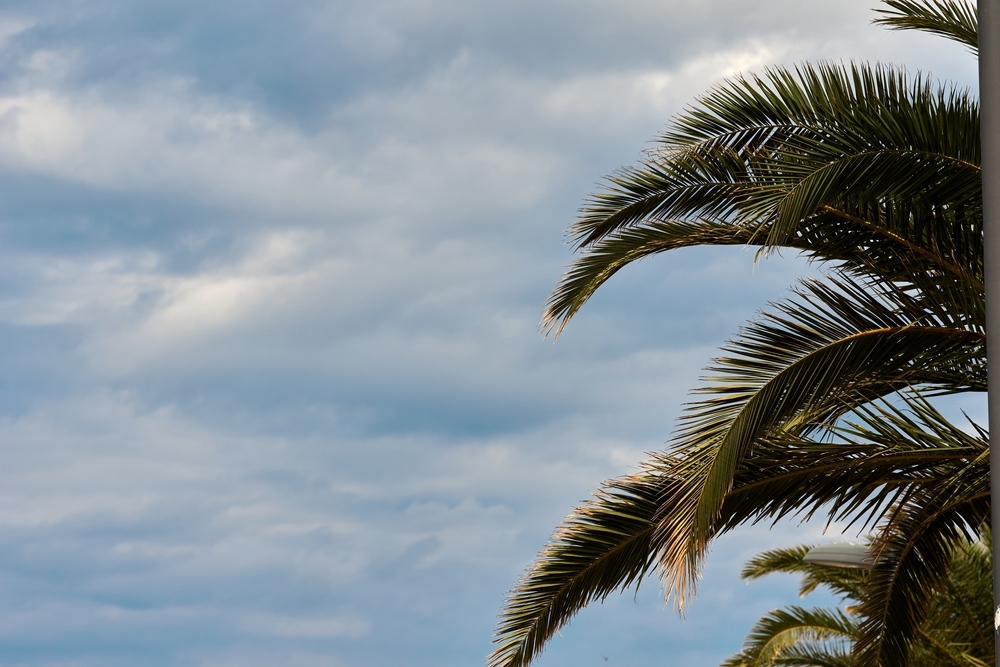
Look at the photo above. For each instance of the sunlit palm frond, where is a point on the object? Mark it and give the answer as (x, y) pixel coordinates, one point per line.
(606, 545)
(601, 547)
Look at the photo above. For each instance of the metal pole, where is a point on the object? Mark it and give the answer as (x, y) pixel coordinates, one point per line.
(989, 100)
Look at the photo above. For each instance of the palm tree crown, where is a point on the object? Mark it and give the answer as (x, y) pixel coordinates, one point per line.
(820, 404)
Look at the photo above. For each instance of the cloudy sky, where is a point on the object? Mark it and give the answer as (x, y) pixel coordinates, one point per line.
(272, 388)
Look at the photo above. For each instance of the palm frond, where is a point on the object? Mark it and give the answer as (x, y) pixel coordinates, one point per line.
(836, 348)
(601, 547)
(630, 244)
(913, 562)
(772, 160)
(844, 582)
(953, 19)
(853, 472)
(818, 407)
(781, 630)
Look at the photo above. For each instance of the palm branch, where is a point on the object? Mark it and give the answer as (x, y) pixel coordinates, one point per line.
(850, 164)
(798, 636)
(957, 21)
(606, 545)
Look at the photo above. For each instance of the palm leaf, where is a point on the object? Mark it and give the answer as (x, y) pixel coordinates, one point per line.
(782, 629)
(832, 350)
(771, 160)
(955, 20)
(845, 582)
(601, 547)
(816, 407)
(913, 564)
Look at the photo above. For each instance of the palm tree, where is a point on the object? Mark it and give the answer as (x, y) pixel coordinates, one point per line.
(956, 632)
(819, 405)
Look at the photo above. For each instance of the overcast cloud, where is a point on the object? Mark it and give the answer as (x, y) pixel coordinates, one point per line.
(271, 388)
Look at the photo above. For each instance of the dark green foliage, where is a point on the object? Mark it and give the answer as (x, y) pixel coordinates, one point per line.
(954, 633)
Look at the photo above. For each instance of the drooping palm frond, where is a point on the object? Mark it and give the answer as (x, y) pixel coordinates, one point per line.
(606, 545)
(873, 460)
(723, 158)
(784, 474)
(955, 20)
(835, 347)
(852, 480)
(602, 547)
(774, 160)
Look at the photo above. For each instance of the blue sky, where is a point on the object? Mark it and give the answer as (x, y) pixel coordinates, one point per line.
(272, 390)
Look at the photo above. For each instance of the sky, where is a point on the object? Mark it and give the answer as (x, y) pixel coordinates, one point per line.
(272, 390)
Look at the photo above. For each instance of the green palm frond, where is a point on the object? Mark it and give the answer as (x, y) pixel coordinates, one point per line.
(614, 252)
(825, 320)
(829, 631)
(852, 472)
(844, 582)
(601, 547)
(784, 474)
(606, 545)
(831, 350)
(773, 159)
(856, 468)
(955, 20)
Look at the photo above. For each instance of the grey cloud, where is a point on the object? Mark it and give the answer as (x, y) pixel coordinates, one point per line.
(302, 60)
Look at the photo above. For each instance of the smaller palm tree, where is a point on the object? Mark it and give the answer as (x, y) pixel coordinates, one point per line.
(955, 633)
